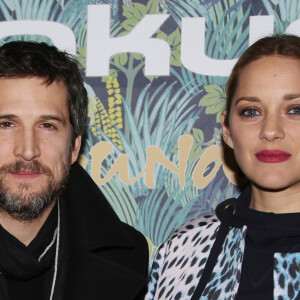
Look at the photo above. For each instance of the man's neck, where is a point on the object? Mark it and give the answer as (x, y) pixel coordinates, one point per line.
(24, 231)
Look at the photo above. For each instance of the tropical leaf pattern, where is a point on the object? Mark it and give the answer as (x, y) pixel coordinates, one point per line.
(140, 115)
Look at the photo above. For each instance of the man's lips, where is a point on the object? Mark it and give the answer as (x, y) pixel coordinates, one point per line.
(25, 174)
(272, 156)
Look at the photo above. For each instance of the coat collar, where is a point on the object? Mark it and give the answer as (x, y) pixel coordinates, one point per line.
(91, 215)
(97, 238)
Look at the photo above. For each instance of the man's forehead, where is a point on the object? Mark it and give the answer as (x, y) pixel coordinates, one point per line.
(44, 80)
(32, 83)
(32, 93)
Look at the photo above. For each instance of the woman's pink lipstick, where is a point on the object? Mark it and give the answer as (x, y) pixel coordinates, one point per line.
(272, 156)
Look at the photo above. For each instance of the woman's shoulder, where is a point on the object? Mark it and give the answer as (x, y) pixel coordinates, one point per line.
(196, 226)
(193, 233)
(182, 256)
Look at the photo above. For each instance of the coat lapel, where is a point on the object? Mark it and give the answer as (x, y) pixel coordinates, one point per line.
(102, 255)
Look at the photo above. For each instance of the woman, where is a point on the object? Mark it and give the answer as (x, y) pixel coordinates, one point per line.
(251, 248)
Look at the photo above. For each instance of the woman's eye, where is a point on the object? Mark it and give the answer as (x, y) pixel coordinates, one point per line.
(249, 112)
(294, 111)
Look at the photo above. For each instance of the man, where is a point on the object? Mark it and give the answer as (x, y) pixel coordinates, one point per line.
(59, 238)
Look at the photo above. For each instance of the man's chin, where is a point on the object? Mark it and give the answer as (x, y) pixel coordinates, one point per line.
(27, 199)
(27, 204)
(16, 184)
(25, 213)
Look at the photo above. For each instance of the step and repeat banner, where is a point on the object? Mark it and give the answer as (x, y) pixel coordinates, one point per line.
(155, 72)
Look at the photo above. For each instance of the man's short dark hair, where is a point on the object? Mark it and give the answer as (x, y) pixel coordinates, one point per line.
(22, 59)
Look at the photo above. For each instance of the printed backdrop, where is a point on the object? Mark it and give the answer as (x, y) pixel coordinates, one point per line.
(155, 72)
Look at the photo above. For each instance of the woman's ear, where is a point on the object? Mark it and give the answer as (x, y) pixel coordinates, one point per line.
(226, 131)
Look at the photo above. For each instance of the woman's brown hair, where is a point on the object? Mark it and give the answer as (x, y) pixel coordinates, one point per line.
(282, 45)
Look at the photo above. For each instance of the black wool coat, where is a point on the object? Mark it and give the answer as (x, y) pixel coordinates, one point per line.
(101, 257)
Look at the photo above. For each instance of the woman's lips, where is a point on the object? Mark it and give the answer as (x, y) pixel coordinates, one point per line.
(272, 156)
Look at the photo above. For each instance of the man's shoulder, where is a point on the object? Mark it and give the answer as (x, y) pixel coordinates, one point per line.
(136, 236)
(88, 205)
(94, 225)
(136, 255)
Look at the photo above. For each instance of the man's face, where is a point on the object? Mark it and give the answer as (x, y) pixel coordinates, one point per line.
(35, 145)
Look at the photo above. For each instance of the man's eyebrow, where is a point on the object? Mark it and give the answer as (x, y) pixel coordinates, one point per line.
(58, 118)
(9, 116)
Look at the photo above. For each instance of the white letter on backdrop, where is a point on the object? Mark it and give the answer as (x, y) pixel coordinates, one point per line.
(193, 55)
(100, 47)
(294, 28)
(259, 27)
(61, 35)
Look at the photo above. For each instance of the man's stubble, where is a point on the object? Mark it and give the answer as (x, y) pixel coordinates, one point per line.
(26, 204)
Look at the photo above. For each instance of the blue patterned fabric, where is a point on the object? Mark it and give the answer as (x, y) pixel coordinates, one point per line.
(180, 261)
(287, 276)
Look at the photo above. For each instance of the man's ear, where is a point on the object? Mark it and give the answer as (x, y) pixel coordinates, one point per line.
(226, 131)
(75, 149)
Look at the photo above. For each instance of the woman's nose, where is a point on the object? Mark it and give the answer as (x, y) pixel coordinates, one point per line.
(272, 128)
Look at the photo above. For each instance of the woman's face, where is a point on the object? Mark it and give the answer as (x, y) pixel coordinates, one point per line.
(264, 123)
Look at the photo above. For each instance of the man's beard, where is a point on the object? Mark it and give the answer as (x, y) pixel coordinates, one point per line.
(24, 204)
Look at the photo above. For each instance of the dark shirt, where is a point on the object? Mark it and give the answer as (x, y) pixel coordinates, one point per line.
(267, 233)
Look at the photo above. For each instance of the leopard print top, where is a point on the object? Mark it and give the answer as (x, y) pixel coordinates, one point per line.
(180, 261)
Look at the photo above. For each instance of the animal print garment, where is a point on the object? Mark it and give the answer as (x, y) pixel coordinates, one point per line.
(180, 262)
(287, 276)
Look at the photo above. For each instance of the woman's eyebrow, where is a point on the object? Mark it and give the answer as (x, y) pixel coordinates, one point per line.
(249, 99)
(291, 96)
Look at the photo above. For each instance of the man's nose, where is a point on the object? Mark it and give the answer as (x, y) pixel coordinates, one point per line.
(27, 146)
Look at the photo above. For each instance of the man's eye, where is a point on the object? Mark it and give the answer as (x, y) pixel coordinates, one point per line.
(249, 112)
(294, 111)
(6, 124)
(47, 126)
